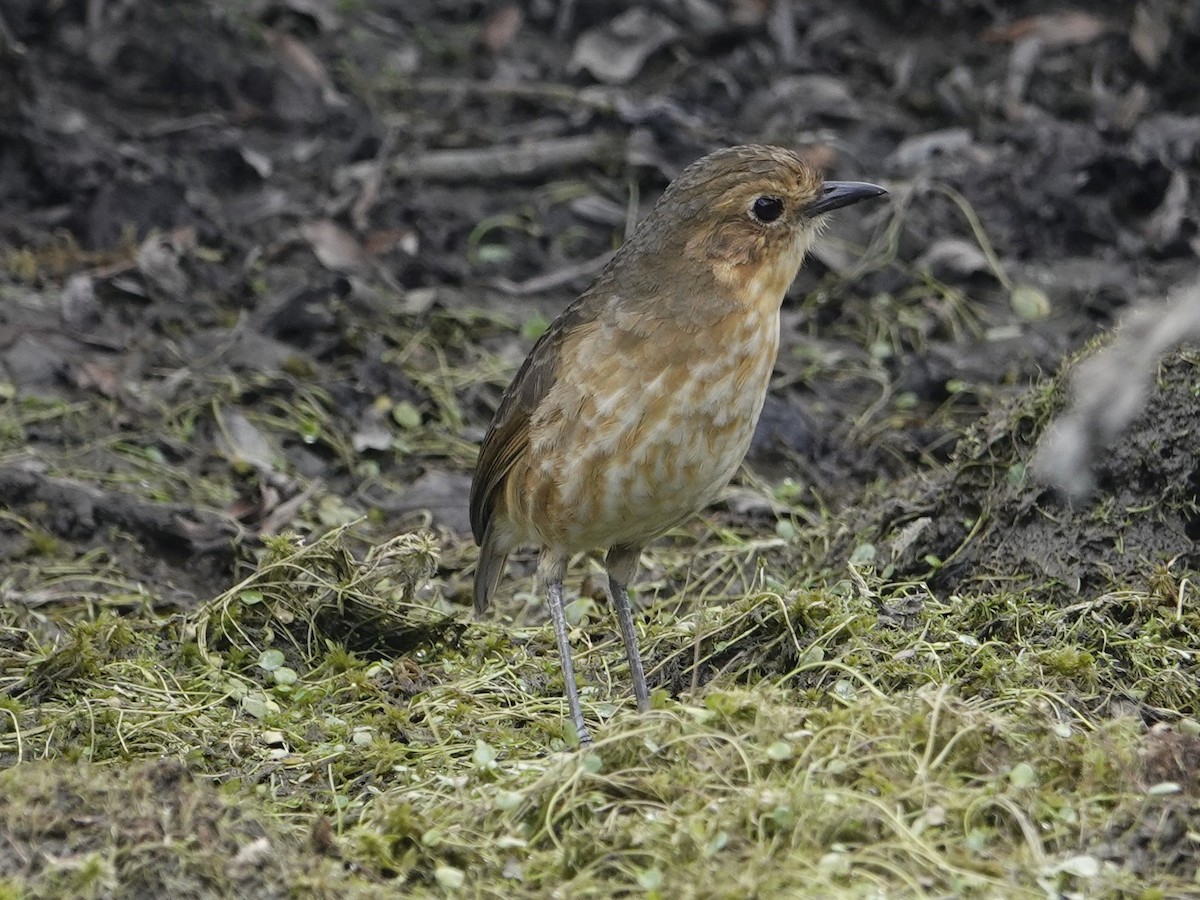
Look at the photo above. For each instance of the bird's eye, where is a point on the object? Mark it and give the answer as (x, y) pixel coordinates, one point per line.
(767, 209)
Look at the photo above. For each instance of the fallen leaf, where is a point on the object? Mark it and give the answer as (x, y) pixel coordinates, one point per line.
(1029, 302)
(616, 51)
(501, 27)
(158, 263)
(406, 239)
(35, 360)
(373, 432)
(1149, 35)
(303, 63)
(953, 256)
(251, 855)
(1061, 29)
(599, 209)
(1172, 138)
(1166, 224)
(443, 494)
(259, 162)
(250, 509)
(335, 247)
(748, 13)
(917, 150)
(818, 94)
(79, 305)
(320, 11)
(242, 442)
(284, 513)
(98, 377)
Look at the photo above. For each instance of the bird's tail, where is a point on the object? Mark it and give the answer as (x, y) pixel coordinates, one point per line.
(492, 556)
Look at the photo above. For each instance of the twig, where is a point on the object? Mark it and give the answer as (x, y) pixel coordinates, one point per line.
(522, 161)
(551, 280)
(79, 505)
(599, 99)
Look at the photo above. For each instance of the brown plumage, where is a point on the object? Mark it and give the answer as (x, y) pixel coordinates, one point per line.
(638, 403)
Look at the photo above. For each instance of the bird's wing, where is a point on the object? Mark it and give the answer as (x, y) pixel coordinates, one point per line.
(508, 437)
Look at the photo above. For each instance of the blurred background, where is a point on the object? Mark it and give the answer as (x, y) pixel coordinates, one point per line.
(277, 260)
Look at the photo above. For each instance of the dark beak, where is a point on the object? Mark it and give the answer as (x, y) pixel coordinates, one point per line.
(836, 194)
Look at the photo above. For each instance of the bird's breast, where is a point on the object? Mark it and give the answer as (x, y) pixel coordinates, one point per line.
(638, 433)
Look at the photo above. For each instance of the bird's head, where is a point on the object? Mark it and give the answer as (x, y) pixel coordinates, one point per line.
(747, 215)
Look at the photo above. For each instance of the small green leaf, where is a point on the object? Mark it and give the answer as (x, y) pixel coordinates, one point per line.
(1029, 302)
(406, 415)
(484, 756)
(779, 751)
(845, 689)
(449, 878)
(650, 880)
(718, 842)
(1164, 788)
(254, 706)
(507, 801)
(863, 555)
(1082, 866)
(1022, 775)
(579, 609)
(492, 253)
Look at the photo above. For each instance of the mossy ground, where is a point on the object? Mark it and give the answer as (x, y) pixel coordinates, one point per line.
(326, 728)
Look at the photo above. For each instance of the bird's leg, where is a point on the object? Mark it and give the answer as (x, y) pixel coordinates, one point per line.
(551, 569)
(621, 563)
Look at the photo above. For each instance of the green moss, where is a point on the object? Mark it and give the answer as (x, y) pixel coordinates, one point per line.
(850, 731)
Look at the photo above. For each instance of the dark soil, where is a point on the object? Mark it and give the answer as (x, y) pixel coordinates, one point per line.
(146, 831)
(207, 217)
(269, 265)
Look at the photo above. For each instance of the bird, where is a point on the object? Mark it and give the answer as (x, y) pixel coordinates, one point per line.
(637, 404)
